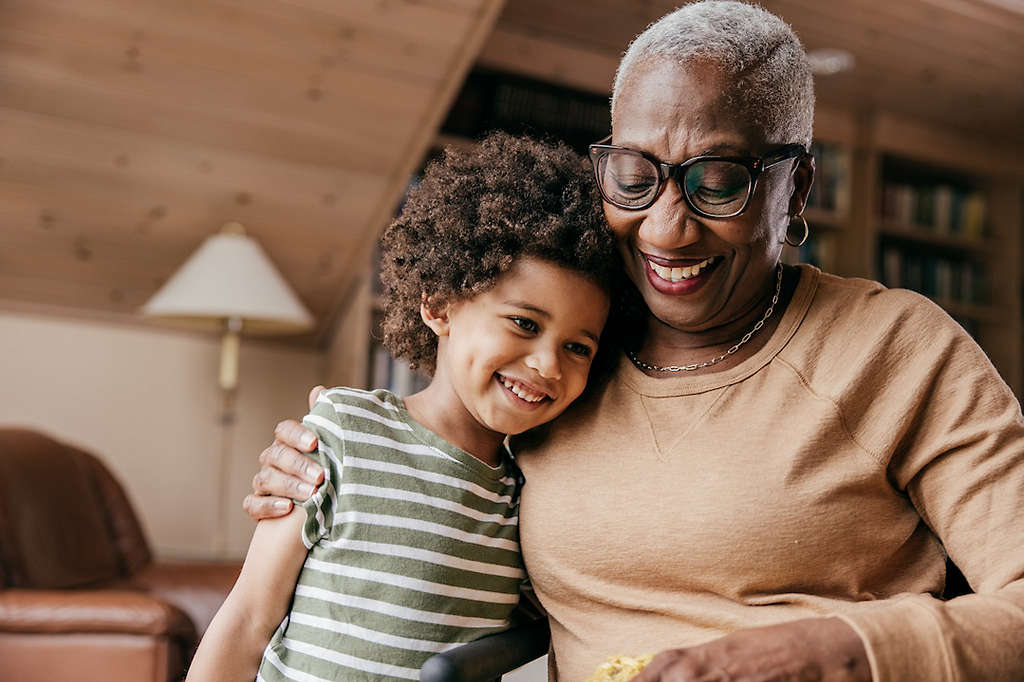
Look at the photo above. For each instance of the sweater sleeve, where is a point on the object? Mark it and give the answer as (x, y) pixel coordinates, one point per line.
(955, 440)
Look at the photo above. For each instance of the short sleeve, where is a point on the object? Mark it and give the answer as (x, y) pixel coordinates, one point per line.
(320, 508)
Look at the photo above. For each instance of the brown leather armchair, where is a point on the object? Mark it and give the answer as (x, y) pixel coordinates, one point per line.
(80, 595)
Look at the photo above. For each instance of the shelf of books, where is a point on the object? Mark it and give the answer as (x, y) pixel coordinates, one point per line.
(934, 237)
(828, 209)
(949, 234)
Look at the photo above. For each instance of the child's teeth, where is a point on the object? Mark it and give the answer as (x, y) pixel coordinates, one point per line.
(679, 274)
(522, 393)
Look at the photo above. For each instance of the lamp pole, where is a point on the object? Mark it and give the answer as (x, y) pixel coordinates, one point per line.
(225, 281)
(229, 386)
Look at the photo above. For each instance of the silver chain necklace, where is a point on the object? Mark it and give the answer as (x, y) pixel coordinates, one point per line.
(701, 365)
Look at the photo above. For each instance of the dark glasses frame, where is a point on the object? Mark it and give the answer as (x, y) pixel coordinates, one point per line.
(755, 166)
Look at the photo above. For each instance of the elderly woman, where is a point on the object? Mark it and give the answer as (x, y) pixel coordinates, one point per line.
(768, 484)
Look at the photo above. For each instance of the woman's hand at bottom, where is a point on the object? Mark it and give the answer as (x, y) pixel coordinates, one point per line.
(285, 473)
(809, 650)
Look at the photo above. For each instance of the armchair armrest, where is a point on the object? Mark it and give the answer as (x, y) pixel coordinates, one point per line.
(488, 658)
(92, 611)
(197, 588)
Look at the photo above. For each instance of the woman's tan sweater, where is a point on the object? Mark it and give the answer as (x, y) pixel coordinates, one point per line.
(823, 476)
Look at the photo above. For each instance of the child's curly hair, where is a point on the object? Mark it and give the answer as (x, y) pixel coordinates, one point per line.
(473, 214)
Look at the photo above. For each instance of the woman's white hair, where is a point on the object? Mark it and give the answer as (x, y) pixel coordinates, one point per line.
(769, 68)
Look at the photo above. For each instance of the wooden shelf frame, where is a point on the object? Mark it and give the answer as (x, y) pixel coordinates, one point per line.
(917, 233)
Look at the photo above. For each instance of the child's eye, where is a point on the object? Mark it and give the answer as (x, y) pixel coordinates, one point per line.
(526, 324)
(580, 349)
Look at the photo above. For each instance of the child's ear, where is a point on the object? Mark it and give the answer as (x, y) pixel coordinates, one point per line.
(435, 316)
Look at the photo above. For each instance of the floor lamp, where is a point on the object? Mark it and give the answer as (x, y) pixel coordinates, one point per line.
(229, 286)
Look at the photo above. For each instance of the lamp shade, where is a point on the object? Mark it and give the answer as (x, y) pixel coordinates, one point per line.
(230, 276)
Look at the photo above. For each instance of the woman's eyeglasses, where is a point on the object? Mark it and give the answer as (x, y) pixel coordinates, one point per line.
(714, 186)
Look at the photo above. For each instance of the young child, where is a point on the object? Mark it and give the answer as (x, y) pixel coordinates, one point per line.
(496, 279)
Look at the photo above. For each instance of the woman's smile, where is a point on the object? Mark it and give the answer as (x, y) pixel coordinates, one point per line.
(679, 276)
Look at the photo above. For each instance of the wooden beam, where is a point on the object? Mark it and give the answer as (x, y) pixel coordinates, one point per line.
(928, 143)
(575, 66)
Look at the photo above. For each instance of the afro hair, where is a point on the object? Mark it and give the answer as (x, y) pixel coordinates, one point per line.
(473, 214)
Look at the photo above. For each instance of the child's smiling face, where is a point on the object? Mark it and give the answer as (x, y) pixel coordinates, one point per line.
(518, 354)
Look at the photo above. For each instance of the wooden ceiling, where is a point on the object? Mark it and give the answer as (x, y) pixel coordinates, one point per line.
(955, 63)
(131, 129)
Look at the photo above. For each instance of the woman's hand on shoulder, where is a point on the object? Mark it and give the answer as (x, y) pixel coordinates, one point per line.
(285, 473)
(820, 649)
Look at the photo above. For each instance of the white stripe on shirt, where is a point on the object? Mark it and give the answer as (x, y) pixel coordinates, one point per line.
(425, 555)
(391, 521)
(403, 612)
(384, 578)
(341, 659)
(380, 441)
(352, 410)
(428, 500)
(356, 393)
(451, 481)
(290, 673)
(368, 635)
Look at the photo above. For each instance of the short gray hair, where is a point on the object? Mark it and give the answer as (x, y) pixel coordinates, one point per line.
(766, 60)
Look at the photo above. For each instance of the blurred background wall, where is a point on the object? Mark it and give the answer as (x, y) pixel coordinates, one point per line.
(147, 402)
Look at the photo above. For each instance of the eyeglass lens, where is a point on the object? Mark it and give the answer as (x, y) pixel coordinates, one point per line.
(718, 188)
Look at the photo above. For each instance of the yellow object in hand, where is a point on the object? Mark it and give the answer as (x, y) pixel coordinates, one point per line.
(620, 669)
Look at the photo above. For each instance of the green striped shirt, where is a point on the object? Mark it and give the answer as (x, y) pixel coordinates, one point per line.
(413, 548)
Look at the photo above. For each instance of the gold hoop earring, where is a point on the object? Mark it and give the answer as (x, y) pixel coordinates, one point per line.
(806, 230)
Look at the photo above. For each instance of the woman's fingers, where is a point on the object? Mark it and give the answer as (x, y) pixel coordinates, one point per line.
(294, 435)
(260, 507)
(291, 462)
(314, 393)
(285, 473)
(823, 649)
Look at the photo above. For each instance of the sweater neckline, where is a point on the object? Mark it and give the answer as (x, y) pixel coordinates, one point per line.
(687, 384)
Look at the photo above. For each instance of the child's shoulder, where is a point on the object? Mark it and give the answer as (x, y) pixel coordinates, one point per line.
(352, 406)
(378, 399)
(338, 399)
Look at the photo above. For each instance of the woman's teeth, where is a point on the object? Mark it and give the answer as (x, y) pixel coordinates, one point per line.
(679, 274)
(526, 395)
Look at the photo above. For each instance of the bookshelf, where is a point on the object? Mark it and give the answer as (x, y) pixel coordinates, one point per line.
(950, 227)
(934, 237)
(926, 209)
(828, 208)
